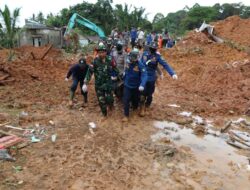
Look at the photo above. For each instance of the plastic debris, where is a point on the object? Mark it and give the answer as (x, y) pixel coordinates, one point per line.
(238, 121)
(4, 155)
(198, 119)
(34, 139)
(51, 122)
(20, 182)
(53, 137)
(174, 105)
(23, 113)
(185, 113)
(17, 168)
(92, 125)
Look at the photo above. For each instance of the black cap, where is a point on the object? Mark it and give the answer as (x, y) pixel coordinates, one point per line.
(82, 61)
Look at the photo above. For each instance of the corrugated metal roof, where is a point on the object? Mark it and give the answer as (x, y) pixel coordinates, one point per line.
(31, 24)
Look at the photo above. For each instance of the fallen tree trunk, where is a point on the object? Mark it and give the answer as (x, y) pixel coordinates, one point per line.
(47, 51)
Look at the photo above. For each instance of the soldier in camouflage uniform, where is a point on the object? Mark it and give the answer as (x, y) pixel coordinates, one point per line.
(102, 68)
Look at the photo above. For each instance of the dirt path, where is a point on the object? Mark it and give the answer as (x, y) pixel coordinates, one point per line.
(116, 156)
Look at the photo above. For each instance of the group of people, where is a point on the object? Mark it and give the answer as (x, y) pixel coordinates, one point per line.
(137, 36)
(131, 76)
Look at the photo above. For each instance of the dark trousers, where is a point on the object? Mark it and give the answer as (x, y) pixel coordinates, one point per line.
(130, 95)
(118, 88)
(105, 98)
(133, 42)
(147, 94)
(74, 87)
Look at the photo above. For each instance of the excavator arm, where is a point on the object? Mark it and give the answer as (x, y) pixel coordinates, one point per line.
(83, 21)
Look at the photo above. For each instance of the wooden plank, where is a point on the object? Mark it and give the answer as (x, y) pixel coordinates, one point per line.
(237, 145)
(235, 138)
(226, 127)
(47, 51)
(33, 56)
(9, 141)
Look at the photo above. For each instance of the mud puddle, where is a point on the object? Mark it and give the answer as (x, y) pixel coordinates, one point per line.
(213, 154)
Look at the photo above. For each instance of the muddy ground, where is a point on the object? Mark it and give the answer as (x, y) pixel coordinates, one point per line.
(164, 150)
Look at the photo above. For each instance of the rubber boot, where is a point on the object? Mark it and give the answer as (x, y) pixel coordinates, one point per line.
(125, 119)
(142, 110)
(147, 111)
(72, 94)
(110, 110)
(85, 101)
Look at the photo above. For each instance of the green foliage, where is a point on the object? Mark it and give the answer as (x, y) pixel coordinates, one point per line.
(197, 15)
(8, 39)
(189, 18)
(227, 10)
(158, 22)
(245, 12)
(103, 15)
(39, 18)
(107, 17)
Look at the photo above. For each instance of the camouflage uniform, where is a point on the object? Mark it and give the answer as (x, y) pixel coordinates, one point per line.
(103, 83)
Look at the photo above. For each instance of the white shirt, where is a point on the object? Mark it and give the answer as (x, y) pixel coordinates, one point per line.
(141, 35)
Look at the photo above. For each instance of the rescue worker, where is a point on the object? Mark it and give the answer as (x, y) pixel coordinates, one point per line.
(151, 59)
(126, 35)
(165, 38)
(160, 41)
(78, 72)
(149, 39)
(102, 68)
(140, 36)
(134, 82)
(119, 57)
(133, 36)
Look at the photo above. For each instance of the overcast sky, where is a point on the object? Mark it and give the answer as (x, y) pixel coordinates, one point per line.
(28, 7)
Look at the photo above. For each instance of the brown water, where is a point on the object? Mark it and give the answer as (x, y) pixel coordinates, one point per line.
(212, 153)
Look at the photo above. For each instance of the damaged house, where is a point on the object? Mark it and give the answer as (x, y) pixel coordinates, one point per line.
(38, 34)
